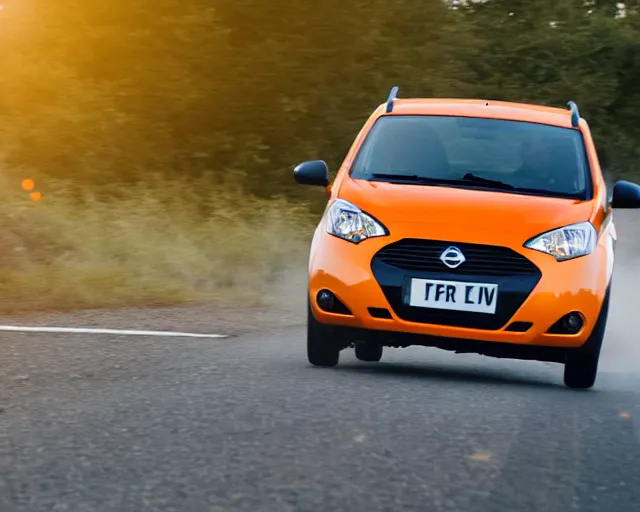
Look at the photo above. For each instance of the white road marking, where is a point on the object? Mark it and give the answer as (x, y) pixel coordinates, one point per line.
(125, 332)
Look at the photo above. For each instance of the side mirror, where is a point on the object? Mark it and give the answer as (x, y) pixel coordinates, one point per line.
(314, 172)
(625, 195)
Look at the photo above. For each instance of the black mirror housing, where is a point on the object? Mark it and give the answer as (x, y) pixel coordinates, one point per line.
(313, 172)
(625, 195)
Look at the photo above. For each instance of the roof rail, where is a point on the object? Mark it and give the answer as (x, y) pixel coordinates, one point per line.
(575, 113)
(393, 95)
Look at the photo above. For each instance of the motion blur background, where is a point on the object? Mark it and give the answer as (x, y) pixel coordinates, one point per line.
(162, 134)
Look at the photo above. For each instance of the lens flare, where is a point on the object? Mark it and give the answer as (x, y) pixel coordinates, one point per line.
(35, 196)
(28, 185)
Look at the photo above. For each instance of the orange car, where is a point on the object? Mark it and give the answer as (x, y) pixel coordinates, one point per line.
(468, 225)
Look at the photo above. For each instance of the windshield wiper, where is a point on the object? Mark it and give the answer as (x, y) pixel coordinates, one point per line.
(403, 177)
(467, 179)
(416, 178)
(485, 181)
(470, 180)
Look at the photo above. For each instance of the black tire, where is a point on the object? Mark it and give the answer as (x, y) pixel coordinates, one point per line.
(581, 367)
(323, 348)
(369, 352)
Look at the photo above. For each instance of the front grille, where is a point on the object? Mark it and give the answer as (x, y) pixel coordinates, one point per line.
(481, 260)
(396, 264)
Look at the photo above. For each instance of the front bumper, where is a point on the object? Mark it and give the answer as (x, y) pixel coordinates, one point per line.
(530, 301)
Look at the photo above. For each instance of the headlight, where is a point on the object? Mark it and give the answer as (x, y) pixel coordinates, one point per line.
(566, 243)
(348, 222)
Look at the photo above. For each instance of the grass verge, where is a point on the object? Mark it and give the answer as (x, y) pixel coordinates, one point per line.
(157, 243)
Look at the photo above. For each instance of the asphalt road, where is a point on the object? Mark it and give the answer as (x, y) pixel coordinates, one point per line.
(116, 423)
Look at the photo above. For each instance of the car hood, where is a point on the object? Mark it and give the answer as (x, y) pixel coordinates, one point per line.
(448, 207)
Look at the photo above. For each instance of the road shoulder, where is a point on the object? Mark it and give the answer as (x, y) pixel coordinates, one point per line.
(198, 318)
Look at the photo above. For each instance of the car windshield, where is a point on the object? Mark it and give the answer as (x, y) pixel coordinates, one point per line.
(512, 156)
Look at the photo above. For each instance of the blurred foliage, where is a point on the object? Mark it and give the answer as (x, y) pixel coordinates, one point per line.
(236, 92)
(154, 243)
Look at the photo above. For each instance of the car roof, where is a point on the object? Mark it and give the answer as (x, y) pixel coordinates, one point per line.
(480, 108)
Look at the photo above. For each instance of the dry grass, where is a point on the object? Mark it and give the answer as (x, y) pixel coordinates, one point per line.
(157, 244)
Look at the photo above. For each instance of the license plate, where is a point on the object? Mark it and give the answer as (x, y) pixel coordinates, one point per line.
(453, 295)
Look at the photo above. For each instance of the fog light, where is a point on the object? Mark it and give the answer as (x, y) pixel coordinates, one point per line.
(573, 323)
(325, 300)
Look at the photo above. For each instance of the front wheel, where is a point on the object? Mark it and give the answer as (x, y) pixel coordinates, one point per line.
(580, 371)
(581, 368)
(322, 347)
